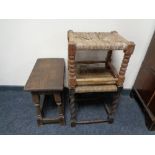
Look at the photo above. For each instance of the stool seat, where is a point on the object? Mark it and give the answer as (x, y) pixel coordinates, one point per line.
(98, 40)
(96, 88)
(94, 74)
(47, 75)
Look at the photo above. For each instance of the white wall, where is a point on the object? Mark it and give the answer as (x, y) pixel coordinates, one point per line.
(23, 41)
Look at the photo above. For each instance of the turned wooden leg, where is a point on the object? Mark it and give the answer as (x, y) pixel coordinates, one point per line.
(72, 107)
(124, 64)
(36, 100)
(72, 81)
(57, 98)
(108, 58)
(114, 105)
(71, 65)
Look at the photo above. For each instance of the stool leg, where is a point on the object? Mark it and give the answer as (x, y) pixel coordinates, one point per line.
(36, 100)
(72, 107)
(60, 104)
(114, 105)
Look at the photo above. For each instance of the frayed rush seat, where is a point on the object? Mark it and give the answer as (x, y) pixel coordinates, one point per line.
(96, 88)
(98, 40)
(92, 74)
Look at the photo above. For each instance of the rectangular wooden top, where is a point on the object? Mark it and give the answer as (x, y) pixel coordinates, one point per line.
(47, 75)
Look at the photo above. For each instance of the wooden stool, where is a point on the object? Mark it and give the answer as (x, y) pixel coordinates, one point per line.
(88, 76)
(47, 79)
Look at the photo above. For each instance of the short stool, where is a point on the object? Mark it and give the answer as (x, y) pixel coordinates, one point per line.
(47, 79)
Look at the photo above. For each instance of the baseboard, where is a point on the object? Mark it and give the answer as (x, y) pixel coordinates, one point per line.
(9, 87)
(21, 88)
(126, 91)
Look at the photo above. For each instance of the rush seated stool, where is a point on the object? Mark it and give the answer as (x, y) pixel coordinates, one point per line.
(96, 75)
(47, 79)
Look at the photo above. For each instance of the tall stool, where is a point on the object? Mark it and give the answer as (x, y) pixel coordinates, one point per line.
(96, 76)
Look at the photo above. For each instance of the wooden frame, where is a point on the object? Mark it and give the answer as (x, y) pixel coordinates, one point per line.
(109, 109)
(39, 110)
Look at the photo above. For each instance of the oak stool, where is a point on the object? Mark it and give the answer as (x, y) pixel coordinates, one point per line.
(47, 79)
(96, 75)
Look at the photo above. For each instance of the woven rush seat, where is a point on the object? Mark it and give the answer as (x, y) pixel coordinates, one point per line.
(94, 74)
(98, 40)
(98, 88)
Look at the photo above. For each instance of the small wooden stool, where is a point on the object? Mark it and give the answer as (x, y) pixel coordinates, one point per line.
(47, 79)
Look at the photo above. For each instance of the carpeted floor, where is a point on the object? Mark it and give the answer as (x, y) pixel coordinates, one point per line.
(17, 116)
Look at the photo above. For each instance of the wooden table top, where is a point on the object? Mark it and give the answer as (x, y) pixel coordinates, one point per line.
(47, 75)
